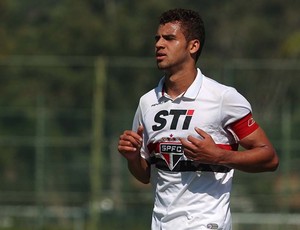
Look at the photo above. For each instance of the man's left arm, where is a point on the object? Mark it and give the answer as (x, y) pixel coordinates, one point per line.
(258, 155)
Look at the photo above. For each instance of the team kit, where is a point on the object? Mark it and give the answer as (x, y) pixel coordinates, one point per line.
(178, 182)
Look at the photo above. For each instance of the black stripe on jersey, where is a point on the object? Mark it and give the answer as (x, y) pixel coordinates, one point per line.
(189, 166)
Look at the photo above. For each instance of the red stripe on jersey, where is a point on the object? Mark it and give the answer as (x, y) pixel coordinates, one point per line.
(229, 147)
(244, 126)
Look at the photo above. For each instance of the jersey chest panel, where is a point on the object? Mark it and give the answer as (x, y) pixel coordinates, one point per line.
(174, 119)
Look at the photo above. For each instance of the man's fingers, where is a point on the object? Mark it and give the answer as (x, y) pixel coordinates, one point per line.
(187, 144)
(202, 133)
(197, 140)
(125, 149)
(130, 139)
(130, 143)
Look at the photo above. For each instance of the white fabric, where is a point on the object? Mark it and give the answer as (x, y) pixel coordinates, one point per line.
(190, 200)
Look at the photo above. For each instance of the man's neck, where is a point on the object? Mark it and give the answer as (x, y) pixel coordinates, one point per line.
(177, 83)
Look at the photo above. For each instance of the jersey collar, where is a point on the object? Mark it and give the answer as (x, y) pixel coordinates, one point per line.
(191, 93)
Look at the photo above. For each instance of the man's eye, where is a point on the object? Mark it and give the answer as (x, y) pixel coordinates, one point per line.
(169, 38)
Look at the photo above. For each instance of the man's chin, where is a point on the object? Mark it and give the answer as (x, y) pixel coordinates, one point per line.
(161, 66)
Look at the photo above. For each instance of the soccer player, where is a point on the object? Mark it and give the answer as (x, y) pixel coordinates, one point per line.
(186, 133)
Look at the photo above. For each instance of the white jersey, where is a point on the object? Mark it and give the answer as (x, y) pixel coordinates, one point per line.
(189, 195)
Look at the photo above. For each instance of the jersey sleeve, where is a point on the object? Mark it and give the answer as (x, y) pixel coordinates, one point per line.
(237, 114)
(137, 121)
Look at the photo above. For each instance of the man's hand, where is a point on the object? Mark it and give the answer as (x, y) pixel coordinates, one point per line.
(202, 149)
(130, 143)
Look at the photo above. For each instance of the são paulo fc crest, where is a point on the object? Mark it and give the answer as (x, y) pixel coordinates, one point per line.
(171, 153)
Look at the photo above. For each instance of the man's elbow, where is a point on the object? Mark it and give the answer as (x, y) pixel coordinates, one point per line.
(274, 163)
(144, 180)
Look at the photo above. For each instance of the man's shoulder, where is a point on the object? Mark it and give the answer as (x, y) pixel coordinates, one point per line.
(149, 98)
(151, 94)
(215, 87)
(214, 83)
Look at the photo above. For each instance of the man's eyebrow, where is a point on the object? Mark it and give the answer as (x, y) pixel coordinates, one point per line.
(169, 36)
(165, 36)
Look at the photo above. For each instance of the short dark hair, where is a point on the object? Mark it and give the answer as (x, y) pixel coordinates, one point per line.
(191, 22)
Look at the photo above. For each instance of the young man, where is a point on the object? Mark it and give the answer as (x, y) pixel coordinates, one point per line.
(186, 134)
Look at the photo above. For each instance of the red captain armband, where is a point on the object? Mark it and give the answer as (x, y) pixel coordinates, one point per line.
(244, 126)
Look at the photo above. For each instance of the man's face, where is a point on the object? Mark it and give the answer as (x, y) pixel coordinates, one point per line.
(171, 47)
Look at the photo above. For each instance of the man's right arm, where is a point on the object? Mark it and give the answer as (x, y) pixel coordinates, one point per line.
(140, 169)
(129, 146)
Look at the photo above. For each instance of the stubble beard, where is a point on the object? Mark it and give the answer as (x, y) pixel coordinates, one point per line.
(164, 66)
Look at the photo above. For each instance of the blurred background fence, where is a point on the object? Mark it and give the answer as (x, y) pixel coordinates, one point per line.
(60, 120)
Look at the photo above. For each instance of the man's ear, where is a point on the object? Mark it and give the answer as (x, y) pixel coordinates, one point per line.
(194, 46)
